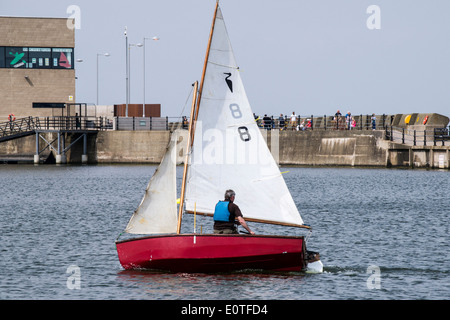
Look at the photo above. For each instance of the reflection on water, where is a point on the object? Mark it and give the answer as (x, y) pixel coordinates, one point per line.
(241, 285)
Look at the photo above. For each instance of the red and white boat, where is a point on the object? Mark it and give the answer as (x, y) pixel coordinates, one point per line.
(225, 149)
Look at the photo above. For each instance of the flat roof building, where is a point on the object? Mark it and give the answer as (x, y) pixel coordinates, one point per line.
(37, 75)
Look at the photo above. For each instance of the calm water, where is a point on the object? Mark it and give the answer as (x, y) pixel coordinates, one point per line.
(393, 221)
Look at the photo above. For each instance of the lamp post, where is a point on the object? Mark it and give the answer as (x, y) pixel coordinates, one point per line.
(143, 104)
(78, 61)
(128, 72)
(98, 55)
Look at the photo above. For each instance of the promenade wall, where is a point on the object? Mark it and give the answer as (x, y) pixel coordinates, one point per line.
(324, 148)
(307, 148)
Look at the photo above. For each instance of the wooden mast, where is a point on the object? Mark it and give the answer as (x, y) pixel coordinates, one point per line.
(205, 65)
(186, 159)
(193, 119)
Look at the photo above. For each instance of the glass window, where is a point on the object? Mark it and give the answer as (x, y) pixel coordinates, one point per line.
(2, 57)
(16, 57)
(39, 58)
(36, 58)
(62, 58)
(48, 105)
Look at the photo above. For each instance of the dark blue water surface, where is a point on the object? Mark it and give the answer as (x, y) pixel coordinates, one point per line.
(56, 219)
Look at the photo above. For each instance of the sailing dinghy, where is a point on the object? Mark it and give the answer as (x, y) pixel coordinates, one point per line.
(225, 150)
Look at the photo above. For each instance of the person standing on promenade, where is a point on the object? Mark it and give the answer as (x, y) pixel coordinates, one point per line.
(293, 120)
(348, 119)
(374, 121)
(267, 122)
(281, 122)
(337, 117)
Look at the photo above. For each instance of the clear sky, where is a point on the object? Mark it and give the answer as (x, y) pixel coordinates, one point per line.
(307, 56)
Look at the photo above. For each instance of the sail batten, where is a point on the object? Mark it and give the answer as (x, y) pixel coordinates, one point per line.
(229, 151)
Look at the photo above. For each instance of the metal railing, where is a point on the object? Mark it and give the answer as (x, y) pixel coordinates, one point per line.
(74, 123)
(431, 137)
(18, 127)
(141, 123)
(302, 123)
(26, 126)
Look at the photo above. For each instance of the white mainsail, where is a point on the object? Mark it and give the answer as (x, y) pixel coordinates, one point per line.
(157, 212)
(229, 151)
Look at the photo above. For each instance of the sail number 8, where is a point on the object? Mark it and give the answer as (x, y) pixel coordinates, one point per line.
(235, 111)
(237, 114)
(243, 133)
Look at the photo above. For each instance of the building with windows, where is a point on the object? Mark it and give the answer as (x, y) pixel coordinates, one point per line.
(37, 66)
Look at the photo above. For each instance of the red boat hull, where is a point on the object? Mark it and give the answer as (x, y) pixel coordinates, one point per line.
(212, 253)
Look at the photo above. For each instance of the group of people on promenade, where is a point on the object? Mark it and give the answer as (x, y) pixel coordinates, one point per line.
(350, 121)
(284, 122)
(295, 122)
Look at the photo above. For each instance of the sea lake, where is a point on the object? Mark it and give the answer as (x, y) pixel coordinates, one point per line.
(381, 233)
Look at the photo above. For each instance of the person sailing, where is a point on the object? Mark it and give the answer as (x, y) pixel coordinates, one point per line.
(225, 214)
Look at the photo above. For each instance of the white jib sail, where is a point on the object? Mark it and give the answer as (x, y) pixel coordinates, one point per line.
(229, 151)
(157, 212)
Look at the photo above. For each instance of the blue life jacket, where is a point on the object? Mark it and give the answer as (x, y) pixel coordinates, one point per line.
(221, 212)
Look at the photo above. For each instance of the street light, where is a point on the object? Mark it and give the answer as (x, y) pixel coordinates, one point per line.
(143, 104)
(78, 60)
(126, 69)
(128, 72)
(98, 55)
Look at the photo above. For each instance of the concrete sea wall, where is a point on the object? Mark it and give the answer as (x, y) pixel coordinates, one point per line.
(307, 148)
(320, 148)
(317, 148)
(131, 146)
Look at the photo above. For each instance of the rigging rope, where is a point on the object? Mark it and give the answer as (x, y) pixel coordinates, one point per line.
(184, 107)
